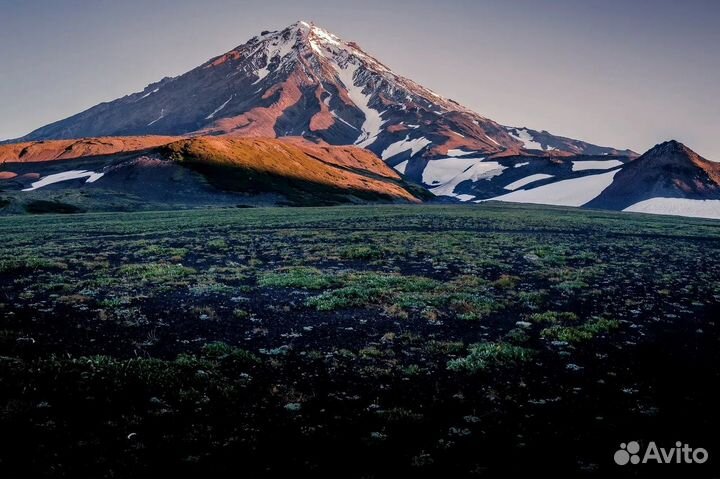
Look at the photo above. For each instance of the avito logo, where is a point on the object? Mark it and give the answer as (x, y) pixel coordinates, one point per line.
(629, 453)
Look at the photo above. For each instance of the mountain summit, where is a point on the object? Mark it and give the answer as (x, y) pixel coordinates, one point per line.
(306, 81)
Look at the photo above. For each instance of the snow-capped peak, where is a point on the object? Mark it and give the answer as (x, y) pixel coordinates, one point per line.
(306, 81)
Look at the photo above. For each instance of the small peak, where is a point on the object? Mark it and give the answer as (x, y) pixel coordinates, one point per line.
(671, 149)
(671, 146)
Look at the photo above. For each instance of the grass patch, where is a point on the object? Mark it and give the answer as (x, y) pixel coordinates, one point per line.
(155, 271)
(361, 252)
(28, 264)
(553, 317)
(576, 334)
(487, 355)
(370, 288)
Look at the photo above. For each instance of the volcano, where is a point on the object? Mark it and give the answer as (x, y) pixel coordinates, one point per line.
(305, 81)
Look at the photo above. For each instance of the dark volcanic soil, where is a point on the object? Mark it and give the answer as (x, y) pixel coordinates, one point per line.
(356, 342)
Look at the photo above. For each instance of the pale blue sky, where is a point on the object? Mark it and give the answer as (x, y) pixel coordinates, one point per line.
(619, 73)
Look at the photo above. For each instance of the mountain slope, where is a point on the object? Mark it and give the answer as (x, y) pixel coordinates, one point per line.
(200, 171)
(669, 170)
(298, 170)
(305, 81)
(35, 151)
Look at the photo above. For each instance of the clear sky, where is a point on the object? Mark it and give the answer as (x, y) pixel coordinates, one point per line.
(622, 73)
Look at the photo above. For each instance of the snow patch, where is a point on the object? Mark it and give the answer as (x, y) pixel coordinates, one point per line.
(442, 170)
(91, 176)
(527, 180)
(261, 73)
(524, 163)
(491, 139)
(373, 119)
(279, 47)
(524, 136)
(595, 165)
(219, 108)
(415, 145)
(162, 115)
(400, 167)
(572, 192)
(325, 36)
(458, 152)
(149, 93)
(678, 207)
(464, 197)
(338, 117)
(479, 171)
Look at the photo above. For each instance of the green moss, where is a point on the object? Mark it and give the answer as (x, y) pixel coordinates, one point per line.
(361, 252)
(488, 355)
(576, 334)
(370, 288)
(222, 351)
(553, 317)
(218, 244)
(29, 263)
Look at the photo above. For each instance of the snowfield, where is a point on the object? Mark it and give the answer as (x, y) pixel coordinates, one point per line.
(445, 169)
(595, 165)
(91, 176)
(373, 119)
(478, 171)
(527, 180)
(573, 192)
(678, 207)
(278, 48)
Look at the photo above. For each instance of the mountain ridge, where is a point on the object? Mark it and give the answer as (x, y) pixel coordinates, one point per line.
(303, 83)
(306, 81)
(170, 172)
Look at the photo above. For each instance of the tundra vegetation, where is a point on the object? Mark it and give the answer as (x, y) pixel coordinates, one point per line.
(362, 341)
